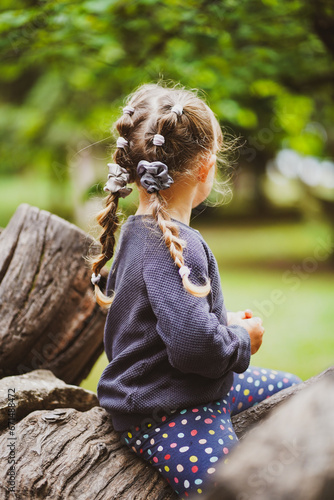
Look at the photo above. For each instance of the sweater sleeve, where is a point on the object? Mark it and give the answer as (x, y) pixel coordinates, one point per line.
(196, 340)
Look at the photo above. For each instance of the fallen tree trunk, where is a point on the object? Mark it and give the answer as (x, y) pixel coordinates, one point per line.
(67, 454)
(48, 315)
(63, 453)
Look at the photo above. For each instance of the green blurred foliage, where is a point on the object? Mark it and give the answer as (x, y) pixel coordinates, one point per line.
(68, 65)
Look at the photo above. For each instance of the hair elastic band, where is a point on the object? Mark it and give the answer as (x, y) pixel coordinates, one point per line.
(118, 178)
(95, 279)
(121, 142)
(129, 110)
(178, 109)
(158, 140)
(154, 176)
(184, 271)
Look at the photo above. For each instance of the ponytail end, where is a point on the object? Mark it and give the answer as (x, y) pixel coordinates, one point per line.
(103, 300)
(196, 290)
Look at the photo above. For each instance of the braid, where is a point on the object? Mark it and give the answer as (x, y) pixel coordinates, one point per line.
(166, 126)
(108, 219)
(169, 230)
(175, 244)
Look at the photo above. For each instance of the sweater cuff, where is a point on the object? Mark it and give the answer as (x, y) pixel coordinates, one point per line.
(244, 351)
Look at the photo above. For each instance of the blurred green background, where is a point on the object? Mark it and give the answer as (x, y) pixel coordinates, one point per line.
(266, 69)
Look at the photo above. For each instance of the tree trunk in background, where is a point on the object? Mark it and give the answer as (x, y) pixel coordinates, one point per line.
(328, 208)
(48, 314)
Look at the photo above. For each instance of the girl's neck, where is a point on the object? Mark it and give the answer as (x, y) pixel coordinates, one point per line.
(185, 194)
(179, 199)
(174, 214)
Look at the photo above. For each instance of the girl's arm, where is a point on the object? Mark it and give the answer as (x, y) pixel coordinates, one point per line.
(197, 341)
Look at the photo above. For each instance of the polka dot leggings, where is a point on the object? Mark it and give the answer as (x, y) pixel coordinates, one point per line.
(186, 446)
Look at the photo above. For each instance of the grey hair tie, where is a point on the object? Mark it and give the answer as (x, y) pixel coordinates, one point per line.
(154, 176)
(118, 178)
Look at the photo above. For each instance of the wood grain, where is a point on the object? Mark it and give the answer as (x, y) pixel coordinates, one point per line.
(48, 314)
(41, 390)
(67, 454)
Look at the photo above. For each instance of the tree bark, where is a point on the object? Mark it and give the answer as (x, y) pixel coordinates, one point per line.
(65, 454)
(41, 390)
(48, 314)
(321, 15)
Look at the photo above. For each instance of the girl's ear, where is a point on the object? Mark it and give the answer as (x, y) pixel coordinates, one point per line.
(205, 167)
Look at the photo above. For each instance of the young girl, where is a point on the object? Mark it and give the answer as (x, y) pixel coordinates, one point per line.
(178, 362)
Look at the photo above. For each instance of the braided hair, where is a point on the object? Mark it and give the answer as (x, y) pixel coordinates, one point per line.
(191, 134)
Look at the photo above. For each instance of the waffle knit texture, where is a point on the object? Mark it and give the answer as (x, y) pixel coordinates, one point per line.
(167, 349)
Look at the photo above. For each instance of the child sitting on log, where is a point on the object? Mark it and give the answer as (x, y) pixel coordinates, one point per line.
(179, 363)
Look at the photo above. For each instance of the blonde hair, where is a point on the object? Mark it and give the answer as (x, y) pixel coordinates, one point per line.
(190, 138)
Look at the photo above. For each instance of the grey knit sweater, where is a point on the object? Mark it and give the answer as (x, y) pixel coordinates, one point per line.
(167, 349)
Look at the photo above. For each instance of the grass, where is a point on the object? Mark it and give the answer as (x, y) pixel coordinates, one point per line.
(35, 190)
(274, 270)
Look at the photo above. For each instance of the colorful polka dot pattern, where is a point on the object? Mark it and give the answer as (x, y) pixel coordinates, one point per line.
(186, 445)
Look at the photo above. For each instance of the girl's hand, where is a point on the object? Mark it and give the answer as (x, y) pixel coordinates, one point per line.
(253, 326)
(255, 329)
(234, 317)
